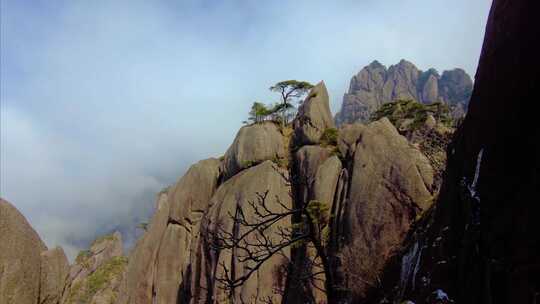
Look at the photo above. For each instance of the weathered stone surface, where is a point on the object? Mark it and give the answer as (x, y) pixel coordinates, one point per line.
(237, 191)
(375, 85)
(326, 179)
(313, 117)
(253, 144)
(20, 249)
(390, 186)
(172, 262)
(348, 136)
(189, 197)
(54, 275)
(307, 162)
(138, 283)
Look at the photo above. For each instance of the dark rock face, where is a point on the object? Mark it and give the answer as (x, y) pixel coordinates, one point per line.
(480, 244)
(375, 85)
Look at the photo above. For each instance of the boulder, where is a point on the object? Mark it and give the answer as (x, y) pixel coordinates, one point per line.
(314, 116)
(54, 275)
(20, 257)
(391, 185)
(252, 145)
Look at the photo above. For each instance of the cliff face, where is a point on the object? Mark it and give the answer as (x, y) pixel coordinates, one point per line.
(375, 85)
(480, 244)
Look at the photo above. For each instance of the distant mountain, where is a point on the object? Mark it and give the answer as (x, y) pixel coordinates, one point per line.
(375, 85)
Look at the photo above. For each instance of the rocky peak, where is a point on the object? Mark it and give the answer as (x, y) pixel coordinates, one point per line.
(375, 85)
(376, 65)
(314, 116)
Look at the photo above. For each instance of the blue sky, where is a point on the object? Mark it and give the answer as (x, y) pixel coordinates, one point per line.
(103, 103)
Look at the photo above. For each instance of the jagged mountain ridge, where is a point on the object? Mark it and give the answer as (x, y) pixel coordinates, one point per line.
(376, 84)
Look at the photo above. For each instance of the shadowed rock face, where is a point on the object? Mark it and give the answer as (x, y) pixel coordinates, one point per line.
(481, 244)
(375, 85)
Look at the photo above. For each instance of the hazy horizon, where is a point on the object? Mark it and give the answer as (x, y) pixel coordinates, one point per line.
(103, 104)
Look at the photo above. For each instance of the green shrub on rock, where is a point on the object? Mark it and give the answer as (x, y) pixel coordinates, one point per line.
(329, 137)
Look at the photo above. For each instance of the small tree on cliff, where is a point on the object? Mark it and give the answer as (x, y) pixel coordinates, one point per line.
(290, 91)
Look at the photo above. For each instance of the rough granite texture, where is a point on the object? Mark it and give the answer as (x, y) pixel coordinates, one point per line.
(252, 145)
(20, 260)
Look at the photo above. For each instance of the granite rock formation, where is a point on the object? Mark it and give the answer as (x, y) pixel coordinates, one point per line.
(375, 85)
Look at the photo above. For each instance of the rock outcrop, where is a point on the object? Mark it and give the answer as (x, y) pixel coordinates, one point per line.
(375, 85)
(20, 257)
(97, 272)
(314, 116)
(391, 185)
(253, 144)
